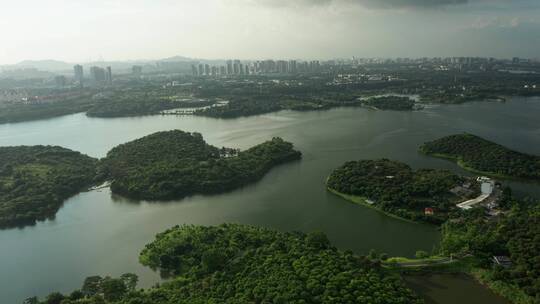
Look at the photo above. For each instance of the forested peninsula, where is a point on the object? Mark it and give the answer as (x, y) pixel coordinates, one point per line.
(174, 164)
(234, 263)
(35, 180)
(391, 102)
(396, 189)
(483, 156)
(138, 105)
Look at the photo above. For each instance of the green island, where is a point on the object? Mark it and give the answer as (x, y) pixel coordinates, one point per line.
(458, 97)
(35, 181)
(174, 164)
(393, 187)
(239, 107)
(139, 102)
(391, 102)
(496, 241)
(479, 155)
(127, 108)
(234, 263)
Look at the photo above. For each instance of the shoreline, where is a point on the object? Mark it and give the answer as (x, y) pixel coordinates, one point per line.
(463, 266)
(363, 202)
(462, 164)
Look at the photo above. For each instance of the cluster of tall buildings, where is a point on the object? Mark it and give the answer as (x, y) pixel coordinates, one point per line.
(101, 75)
(237, 67)
(98, 75)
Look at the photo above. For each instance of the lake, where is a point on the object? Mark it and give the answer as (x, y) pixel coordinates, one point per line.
(99, 233)
(451, 289)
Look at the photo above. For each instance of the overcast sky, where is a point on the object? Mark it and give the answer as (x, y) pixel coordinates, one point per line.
(84, 30)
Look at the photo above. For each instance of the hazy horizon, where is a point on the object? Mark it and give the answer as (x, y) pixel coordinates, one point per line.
(121, 30)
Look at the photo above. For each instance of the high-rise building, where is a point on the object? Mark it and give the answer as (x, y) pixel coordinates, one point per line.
(194, 70)
(78, 74)
(292, 66)
(201, 69)
(222, 70)
(236, 67)
(268, 66)
(314, 66)
(282, 66)
(108, 75)
(229, 67)
(206, 69)
(97, 74)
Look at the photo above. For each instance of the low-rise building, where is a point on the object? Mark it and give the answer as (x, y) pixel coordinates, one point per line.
(502, 260)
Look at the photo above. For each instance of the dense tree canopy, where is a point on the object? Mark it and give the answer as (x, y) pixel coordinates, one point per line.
(35, 180)
(173, 164)
(24, 112)
(479, 154)
(131, 104)
(390, 103)
(234, 263)
(397, 189)
(515, 234)
(242, 107)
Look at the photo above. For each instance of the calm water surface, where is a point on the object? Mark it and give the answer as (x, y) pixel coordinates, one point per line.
(97, 233)
(452, 289)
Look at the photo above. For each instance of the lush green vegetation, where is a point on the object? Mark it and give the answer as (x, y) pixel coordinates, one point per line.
(515, 234)
(234, 263)
(257, 94)
(478, 154)
(94, 290)
(390, 103)
(173, 164)
(255, 105)
(241, 107)
(457, 97)
(129, 103)
(329, 87)
(396, 189)
(35, 180)
(122, 107)
(25, 112)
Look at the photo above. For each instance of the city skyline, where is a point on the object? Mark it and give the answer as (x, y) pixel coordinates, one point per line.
(75, 31)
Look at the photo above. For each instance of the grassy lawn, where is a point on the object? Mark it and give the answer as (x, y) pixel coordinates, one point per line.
(363, 201)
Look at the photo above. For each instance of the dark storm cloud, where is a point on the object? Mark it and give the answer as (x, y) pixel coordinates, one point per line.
(367, 3)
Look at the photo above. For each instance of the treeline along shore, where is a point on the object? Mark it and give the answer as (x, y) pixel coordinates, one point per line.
(495, 237)
(35, 180)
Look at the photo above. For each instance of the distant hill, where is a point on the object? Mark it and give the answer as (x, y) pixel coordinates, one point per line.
(177, 58)
(43, 65)
(57, 66)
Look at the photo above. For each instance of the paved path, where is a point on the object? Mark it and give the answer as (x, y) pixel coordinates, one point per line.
(424, 263)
